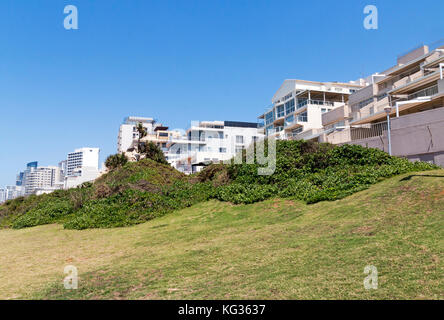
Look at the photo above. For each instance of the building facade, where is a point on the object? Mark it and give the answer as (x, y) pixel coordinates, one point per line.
(208, 142)
(412, 93)
(2, 195)
(298, 105)
(128, 131)
(41, 180)
(81, 166)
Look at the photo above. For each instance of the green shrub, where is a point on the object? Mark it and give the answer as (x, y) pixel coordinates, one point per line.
(140, 191)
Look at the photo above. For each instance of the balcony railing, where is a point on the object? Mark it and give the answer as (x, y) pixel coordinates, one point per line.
(428, 92)
(368, 131)
(315, 102)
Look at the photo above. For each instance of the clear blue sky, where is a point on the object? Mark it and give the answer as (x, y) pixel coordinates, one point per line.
(177, 61)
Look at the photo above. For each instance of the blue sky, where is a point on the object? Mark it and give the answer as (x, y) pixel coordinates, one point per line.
(177, 61)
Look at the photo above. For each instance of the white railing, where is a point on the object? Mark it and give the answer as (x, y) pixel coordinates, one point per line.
(315, 102)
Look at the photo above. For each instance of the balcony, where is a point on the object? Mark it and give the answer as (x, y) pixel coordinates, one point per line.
(315, 102)
(405, 80)
(368, 131)
(335, 115)
(427, 92)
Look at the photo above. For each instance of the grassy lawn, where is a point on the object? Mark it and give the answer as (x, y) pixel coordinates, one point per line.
(277, 249)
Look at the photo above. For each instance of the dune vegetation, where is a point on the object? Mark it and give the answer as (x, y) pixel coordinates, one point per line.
(135, 192)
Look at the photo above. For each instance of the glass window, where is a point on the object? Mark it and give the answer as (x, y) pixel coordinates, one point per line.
(269, 117)
(289, 106)
(303, 117)
(289, 120)
(239, 139)
(280, 111)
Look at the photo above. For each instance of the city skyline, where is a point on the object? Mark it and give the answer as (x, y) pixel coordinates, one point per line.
(68, 89)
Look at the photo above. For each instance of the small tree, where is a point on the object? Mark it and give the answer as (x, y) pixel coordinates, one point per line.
(153, 152)
(142, 134)
(115, 161)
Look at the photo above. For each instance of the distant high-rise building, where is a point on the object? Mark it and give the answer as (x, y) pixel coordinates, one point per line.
(41, 180)
(81, 166)
(2, 195)
(20, 179)
(12, 192)
(82, 158)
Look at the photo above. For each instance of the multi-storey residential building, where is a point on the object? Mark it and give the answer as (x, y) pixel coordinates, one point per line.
(128, 131)
(80, 158)
(41, 180)
(11, 193)
(155, 132)
(210, 141)
(412, 92)
(81, 166)
(2, 195)
(298, 105)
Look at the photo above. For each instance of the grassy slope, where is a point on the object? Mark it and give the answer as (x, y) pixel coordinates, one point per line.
(277, 249)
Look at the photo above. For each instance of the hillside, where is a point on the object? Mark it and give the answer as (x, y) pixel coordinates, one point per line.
(275, 249)
(141, 191)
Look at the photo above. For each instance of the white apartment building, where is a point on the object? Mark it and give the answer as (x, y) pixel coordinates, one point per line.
(81, 158)
(2, 195)
(128, 131)
(210, 141)
(298, 105)
(412, 92)
(41, 180)
(81, 166)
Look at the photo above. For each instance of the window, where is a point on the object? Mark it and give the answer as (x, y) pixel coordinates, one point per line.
(239, 139)
(366, 102)
(289, 106)
(222, 150)
(239, 149)
(269, 117)
(323, 110)
(280, 111)
(289, 120)
(303, 117)
(381, 96)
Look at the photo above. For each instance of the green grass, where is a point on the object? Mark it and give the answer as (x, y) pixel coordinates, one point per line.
(275, 249)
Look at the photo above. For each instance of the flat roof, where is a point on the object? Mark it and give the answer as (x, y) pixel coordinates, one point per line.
(240, 124)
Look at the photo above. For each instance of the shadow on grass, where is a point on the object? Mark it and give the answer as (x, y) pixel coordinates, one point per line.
(421, 175)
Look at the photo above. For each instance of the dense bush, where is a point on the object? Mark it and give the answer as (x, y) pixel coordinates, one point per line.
(153, 152)
(314, 172)
(140, 191)
(116, 161)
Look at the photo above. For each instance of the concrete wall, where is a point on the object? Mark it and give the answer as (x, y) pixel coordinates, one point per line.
(412, 55)
(335, 115)
(418, 136)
